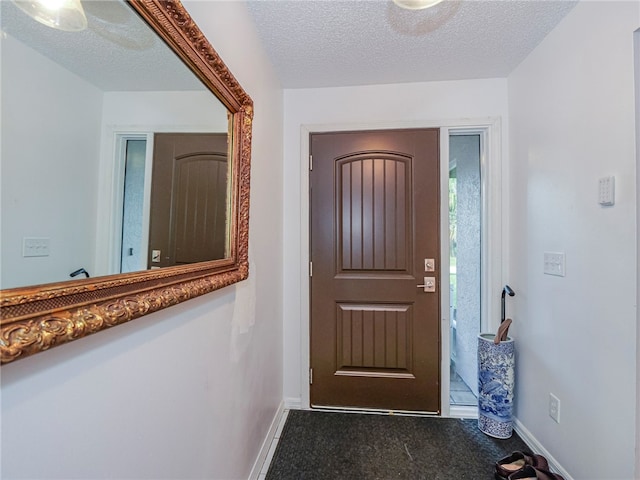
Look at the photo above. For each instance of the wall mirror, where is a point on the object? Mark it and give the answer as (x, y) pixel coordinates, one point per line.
(125, 171)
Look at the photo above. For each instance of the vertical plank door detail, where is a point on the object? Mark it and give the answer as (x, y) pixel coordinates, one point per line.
(372, 212)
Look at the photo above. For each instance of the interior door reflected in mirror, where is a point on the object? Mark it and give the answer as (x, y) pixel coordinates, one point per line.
(189, 198)
(189, 191)
(83, 114)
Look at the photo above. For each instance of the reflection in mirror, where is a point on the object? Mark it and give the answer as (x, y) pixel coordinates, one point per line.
(64, 170)
(84, 181)
(189, 199)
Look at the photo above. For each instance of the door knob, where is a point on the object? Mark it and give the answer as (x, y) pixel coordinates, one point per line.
(429, 284)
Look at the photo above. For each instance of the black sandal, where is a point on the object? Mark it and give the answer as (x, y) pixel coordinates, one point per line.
(532, 473)
(515, 462)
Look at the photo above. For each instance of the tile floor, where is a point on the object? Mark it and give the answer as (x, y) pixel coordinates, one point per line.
(460, 393)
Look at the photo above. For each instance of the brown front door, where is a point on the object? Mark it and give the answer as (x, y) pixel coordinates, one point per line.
(375, 335)
(188, 219)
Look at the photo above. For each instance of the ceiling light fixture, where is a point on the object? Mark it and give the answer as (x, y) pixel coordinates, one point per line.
(416, 4)
(66, 15)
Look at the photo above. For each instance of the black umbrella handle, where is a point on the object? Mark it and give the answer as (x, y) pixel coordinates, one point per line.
(506, 290)
(78, 272)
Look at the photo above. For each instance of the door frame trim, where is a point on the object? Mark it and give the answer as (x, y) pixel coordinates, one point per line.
(491, 255)
(493, 211)
(119, 170)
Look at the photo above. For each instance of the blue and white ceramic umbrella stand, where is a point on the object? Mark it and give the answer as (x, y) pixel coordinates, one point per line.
(496, 378)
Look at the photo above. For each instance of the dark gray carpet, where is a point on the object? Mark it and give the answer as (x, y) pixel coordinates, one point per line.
(321, 445)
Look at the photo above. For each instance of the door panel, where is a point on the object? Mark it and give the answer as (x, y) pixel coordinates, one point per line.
(188, 223)
(373, 232)
(375, 336)
(200, 214)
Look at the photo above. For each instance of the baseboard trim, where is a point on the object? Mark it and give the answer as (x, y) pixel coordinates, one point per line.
(463, 411)
(293, 403)
(266, 443)
(537, 447)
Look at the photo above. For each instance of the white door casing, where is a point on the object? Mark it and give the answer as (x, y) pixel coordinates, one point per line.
(493, 246)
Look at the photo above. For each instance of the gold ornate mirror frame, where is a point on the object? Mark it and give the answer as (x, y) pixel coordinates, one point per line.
(37, 318)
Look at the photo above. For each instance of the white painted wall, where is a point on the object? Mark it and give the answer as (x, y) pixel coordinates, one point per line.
(381, 106)
(187, 392)
(50, 149)
(183, 109)
(571, 107)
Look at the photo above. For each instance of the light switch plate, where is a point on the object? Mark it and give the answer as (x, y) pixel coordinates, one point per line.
(606, 191)
(554, 263)
(35, 246)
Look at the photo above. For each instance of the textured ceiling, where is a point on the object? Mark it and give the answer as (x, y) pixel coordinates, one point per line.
(323, 43)
(312, 43)
(117, 52)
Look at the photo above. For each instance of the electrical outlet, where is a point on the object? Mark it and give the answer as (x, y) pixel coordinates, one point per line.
(554, 407)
